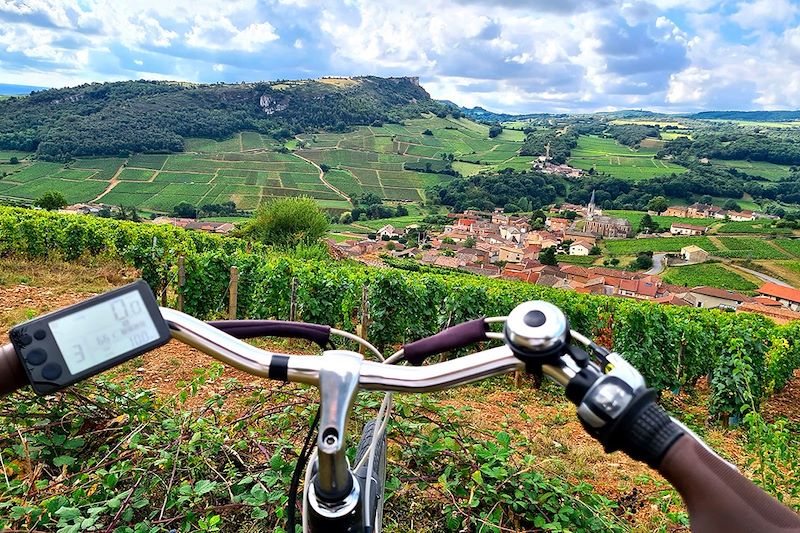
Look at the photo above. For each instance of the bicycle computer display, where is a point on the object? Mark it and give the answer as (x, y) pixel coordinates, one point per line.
(71, 344)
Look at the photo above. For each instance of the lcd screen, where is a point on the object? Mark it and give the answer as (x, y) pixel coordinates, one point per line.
(104, 331)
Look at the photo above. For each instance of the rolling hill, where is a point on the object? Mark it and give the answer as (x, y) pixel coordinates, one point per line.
(116, 119)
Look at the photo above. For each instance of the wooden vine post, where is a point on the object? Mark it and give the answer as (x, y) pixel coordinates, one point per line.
(234, 292)
(293, 302)
(364, 325)
(181, 280)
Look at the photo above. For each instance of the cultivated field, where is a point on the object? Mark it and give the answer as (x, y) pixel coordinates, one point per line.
(372, 159)
(711, 274)
(239, 169)
(610, 157)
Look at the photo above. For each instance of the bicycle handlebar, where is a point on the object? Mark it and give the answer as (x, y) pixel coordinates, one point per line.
(717, 496)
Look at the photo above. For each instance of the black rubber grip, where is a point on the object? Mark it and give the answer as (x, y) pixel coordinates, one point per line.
(250, 329)
(12, 375)
(650, 435)
(449, 339)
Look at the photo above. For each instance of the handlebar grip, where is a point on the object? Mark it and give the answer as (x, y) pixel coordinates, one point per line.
(248, 329)
(449, 339)
(719, 498)
(12, 375)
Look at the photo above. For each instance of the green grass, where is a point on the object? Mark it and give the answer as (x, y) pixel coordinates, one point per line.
(582, 260)
(135, 174)
(759, 226)
(711, 274)
(657, 244)
(749, 248)
(635, 218)
(610, 157)
(152, 161)
(770, 171)
(6, 155)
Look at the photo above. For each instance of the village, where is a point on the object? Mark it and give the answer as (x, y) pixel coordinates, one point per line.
(505, 246)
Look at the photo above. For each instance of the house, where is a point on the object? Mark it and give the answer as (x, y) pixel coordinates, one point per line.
(557, 223)
(694, 254)
(741, 216)
(671, 299)
(511, 233)
(779, 314)
(448, 262)
(575, 235)
(641, 289)
(787, 296)
(576, 273)
(698, 210)
(545, 239)
(510, 254)
(580, 248)
(711, 297)
(679, 228)
(387, 230)
(676, 211)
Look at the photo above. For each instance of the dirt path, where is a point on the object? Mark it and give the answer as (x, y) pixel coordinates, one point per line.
(322, 177)
(113, 183)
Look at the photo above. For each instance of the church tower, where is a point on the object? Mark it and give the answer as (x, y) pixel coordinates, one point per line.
(590, 210)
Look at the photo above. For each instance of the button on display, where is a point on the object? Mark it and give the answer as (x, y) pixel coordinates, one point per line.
(37, 356)
(39, 334)
(51, 371)
(25, 339)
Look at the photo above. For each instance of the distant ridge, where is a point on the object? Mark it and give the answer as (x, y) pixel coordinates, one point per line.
(774, 116)
(116, 119)
(8, 89)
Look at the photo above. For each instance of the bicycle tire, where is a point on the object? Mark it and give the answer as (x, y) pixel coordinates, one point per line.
(377, 477)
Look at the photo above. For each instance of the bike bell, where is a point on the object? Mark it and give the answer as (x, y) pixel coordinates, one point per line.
(537, 332)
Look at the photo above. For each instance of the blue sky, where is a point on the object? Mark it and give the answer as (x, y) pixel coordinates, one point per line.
(505, 55)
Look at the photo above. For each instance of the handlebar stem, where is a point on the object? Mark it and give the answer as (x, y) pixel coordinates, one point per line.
(338, 384)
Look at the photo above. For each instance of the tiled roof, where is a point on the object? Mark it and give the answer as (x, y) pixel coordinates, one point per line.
(722, 293)
(780, 292)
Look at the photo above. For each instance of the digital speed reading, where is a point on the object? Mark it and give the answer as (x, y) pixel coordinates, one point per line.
(103, 331)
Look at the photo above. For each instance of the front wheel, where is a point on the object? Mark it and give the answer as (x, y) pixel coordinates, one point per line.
(376, 479)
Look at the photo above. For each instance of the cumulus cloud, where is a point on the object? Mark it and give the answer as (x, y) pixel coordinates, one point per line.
(543, 55)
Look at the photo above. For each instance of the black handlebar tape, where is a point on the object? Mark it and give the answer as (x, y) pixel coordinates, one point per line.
(719, 498)
(449, 339)
(249, 329)
(12, 375)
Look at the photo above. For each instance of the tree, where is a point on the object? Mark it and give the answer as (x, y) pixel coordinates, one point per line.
(14, 160)
(324, 167)
(184, 210)
(647, 224)
(731, 205)
(658, 204)
(706, 199)
(51, 201)
(537, 219)
(495, 130)
(595, 250)
(401, 210)
(643, 261)
(548, 256)
(427, 132)
(288, 222)
(469, 242)
(346, 218)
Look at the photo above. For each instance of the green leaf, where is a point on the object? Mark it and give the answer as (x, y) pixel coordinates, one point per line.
(62, 460)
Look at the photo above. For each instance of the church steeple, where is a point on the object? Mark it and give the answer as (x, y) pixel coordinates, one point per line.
(591, 207)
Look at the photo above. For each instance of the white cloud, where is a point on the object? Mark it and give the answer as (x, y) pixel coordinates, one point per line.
(761, 13)
(220, 33)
